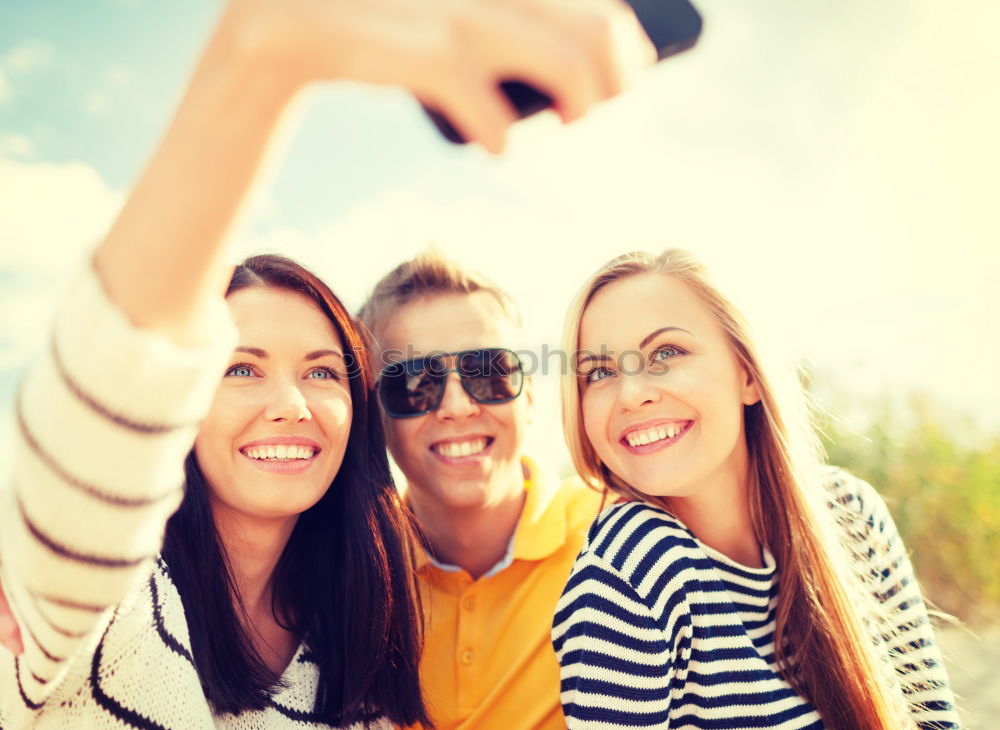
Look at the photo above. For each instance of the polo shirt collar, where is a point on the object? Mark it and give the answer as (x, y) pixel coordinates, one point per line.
(542, 527)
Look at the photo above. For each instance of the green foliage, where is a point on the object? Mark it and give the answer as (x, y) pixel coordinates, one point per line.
(941, 481)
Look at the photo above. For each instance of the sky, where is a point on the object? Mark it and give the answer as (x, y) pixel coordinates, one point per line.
(835, 165)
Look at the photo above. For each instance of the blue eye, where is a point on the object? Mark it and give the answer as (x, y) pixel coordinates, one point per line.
(322, 374)
(665, 353)
(241, 370)
(597, 374)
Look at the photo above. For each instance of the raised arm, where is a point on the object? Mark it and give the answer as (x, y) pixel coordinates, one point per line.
(106, 417)
(163, 258)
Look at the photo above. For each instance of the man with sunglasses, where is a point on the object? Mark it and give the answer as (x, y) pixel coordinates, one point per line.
(501, 532)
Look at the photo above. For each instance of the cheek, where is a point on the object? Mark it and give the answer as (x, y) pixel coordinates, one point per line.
(227, 418)
(512, 419)
(335, 415)
(403, 437)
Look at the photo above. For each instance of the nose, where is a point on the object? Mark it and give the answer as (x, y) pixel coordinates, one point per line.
(455, 403)
(287, 404)
(637, 390)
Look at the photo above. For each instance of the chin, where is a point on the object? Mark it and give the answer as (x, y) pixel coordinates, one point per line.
(462, 496)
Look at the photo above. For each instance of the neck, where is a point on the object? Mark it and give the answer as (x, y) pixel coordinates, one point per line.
(476, 537)
(719, 514)
(253, 547)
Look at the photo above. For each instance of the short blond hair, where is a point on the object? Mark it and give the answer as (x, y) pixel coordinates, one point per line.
(429, 273)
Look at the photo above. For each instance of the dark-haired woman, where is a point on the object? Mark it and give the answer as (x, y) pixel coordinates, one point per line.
(281, 594)
(288, 507)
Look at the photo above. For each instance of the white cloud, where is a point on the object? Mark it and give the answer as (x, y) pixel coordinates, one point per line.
(52, 216)
(23, 58)
(119, 77)
(16, 145)
(29, 56)
(95, 103)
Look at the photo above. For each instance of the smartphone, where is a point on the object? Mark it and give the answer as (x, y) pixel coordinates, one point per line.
(672, 25)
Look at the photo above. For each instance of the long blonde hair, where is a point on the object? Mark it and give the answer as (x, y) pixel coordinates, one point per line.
(827, 623)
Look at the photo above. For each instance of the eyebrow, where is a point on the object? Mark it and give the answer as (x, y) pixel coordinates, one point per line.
(255, 351)
(653, 335)
(586, 359)
(317, 354)
(314, 355)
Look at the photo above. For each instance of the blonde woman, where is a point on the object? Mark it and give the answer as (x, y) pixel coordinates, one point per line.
(735, 583)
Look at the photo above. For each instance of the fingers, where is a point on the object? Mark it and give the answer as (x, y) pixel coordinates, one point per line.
(478, 110)
(546, 57)
(453, 54)
(604, 33)
(579, 52)
(10, 634)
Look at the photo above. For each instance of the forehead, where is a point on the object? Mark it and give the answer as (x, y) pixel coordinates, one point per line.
(622, 314)
(448, 322)
(273, 318)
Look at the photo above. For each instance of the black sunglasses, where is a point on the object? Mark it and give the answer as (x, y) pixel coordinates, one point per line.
(414, 387)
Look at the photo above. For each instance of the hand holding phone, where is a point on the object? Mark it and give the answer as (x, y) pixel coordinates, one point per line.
(672, 25)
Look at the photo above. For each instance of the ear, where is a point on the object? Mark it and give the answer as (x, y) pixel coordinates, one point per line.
(751, 393)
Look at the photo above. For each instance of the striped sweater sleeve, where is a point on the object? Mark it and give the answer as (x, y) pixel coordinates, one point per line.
(616, 652)
(909, 635)
(103, 422)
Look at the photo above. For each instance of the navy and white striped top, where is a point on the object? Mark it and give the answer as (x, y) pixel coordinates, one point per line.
(656, 629)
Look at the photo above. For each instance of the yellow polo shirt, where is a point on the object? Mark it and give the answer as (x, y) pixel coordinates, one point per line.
(488, 662)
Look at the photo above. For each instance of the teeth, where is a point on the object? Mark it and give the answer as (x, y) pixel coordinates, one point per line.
(281, 452)
(456, 449)
(652, 435)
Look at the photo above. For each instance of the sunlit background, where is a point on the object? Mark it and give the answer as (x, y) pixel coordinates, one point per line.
(836, 164)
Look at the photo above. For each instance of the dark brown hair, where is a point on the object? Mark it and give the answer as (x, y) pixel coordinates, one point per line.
(345, 582)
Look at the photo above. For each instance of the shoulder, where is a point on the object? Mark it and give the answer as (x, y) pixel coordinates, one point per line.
(866, 525)
(848, 491)
(854, 501)
(627, 587)
(625, 529)
(150, 623)
(646, 547)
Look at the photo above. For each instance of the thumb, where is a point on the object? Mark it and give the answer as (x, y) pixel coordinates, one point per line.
(10, 634)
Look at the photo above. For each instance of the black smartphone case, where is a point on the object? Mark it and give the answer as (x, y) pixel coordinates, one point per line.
(672, 25)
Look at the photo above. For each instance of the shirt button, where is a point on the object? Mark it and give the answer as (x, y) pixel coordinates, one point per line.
(467, 657)
(469, 603)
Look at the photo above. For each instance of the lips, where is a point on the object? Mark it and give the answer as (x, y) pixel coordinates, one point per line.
(649, 436)
(281, 454)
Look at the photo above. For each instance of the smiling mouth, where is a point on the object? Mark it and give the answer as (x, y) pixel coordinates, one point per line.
(463, 449)
(654, 438)
(279, 453)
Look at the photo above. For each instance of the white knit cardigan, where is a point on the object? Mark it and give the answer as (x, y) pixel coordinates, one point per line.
(104, 421)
